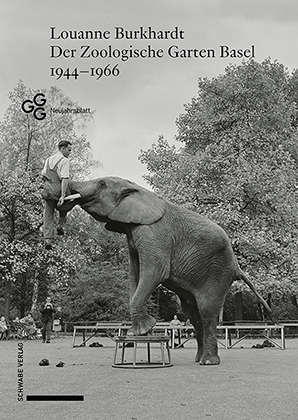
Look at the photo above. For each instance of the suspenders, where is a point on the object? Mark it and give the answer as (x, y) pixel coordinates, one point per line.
(52, 175)
(52, 186)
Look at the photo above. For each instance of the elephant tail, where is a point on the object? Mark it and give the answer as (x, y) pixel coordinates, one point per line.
(244, 277)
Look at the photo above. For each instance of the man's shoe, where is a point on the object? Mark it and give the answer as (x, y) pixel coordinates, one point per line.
(44, 362)
(48, 341)
(60, 231)
(60, 364)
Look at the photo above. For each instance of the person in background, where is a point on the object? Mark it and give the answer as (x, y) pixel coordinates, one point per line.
(29, 326)
(3, 328)
(17, 327)
(176, 333)
(175, 321)
(47, 320)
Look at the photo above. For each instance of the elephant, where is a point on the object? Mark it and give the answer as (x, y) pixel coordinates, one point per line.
(169, 245)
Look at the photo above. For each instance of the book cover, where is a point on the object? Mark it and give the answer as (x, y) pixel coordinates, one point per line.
(119, 79)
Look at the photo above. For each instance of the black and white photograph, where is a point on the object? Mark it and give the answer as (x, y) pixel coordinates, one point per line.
(148, 209)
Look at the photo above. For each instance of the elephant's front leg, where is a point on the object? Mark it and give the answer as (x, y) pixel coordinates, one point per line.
(142, 322)
(150, 264)
(134, 272)
(149, 279)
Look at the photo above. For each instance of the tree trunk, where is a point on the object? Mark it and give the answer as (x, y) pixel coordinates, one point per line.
(28, 144)
(262, 312)
(7, 299)
(221, 314)
(34, 294)
(269, 299)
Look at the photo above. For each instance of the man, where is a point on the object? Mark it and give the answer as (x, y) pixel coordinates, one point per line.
(56, 175)
(47, 320)
(3, 328)
(175, 332)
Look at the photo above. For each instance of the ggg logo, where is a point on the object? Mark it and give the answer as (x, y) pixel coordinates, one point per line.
(35, 106)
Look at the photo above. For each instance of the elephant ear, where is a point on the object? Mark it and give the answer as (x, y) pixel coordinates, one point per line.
(138, 205)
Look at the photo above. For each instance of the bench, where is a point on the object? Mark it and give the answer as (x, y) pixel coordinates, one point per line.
(248, 328)
(112, 329)
(261, 329)
(117, 329)
(88, 331)
(166, 328)
(290, 327)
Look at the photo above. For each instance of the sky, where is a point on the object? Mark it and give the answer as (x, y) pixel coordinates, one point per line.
(142, 102)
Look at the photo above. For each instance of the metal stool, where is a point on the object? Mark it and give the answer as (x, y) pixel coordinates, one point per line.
(163, 341)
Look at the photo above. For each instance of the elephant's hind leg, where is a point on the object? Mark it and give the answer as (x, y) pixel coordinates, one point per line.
(210, 346)
(208, 355)
(191, 309)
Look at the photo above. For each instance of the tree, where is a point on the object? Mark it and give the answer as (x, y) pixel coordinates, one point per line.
(24, 144)
(98, 292)
(238, 166)
(26, 141)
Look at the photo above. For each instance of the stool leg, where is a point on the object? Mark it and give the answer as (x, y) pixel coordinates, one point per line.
(115, 353)
(162, 353)
(148, 352)
(123, 350)
(169, 353)
(134, 354)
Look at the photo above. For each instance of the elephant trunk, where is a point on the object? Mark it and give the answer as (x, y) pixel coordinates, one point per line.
(85, 188)
(89, 199)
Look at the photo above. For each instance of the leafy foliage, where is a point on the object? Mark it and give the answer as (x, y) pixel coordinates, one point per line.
(238, 166)
(95, 293)
(25, 142)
